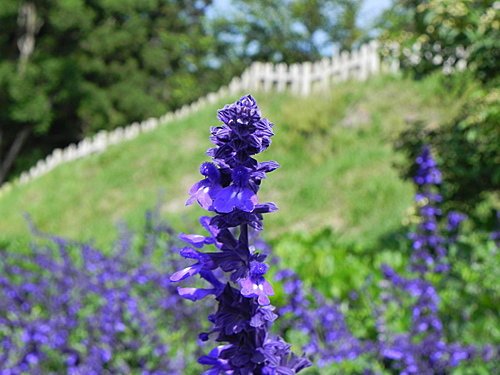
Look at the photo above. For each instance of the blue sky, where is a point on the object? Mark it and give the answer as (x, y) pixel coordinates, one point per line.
(371, 8)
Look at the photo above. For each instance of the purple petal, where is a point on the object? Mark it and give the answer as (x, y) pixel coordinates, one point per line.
(186, 272)
(265, 208)
(193, 239)
(233, 197)
(392, 353)
(202, 192)
(268, 166)
(189, 253)
(194, 294)
(262, 290)
(263, 300)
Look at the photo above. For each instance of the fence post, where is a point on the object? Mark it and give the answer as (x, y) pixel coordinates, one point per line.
(245, 79)
(281, 77)
(374, 58)
(295, 78)
(344, 66)
(335, 68)
(355, 62)
(224, 91)
(363, 62)
(234, 86)
(324, 74)
(306, 78)
(257, 75)
(268, 77)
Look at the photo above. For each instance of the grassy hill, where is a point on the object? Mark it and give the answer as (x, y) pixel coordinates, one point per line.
(335, 150)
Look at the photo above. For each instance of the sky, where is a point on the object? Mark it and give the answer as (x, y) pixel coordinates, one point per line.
(371, 8)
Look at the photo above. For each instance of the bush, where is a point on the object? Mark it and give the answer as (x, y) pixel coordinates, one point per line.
(467, 152)
(445, 34)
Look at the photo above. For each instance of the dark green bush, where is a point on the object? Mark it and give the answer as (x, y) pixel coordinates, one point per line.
(467, 151)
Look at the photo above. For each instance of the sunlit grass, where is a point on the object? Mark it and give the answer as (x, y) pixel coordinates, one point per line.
(335, 150)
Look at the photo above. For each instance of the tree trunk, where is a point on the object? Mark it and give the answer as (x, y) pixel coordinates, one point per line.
(29, 25)
(12, 153)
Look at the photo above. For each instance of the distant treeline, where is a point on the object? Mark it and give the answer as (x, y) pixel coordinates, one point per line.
(70, 68)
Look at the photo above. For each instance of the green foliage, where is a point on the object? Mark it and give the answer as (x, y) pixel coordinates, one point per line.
(436, 34)
(351, 184)
(469, 294)
(346, 31)
(96, 65)
(287, 31)
(467, 152)
(266, 31)
(323, 256)
(470, 298)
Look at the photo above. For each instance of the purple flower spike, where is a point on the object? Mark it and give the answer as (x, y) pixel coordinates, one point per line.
(236, 270)
(429, 246)
(423, 349)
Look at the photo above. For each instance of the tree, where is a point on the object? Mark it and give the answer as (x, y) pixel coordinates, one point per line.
(346, 32)
(449, 36)
(445, 35)
(69, 68)
(287, 31)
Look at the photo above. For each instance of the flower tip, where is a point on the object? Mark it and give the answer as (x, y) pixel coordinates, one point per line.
(247, 101)
(175, 278)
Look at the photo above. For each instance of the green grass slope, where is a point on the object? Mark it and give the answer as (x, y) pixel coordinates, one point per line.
(335, 150)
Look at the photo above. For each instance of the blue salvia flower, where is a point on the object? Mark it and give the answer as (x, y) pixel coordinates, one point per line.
(69, 307)
(229, 190)
(454, 221)
(328, 338)
(495, 235)
(423, 349)
(429, 251)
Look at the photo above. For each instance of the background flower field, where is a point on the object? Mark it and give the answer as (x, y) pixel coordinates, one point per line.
(87, 250)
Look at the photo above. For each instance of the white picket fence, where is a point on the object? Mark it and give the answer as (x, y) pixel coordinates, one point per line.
(300, 79)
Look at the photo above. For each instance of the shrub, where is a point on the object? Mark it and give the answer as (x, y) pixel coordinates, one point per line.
(467, 152)
(445, 34)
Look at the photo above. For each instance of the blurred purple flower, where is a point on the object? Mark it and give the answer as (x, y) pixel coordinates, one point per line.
(423, 349)
(329, 339)
(66, 304)
(429, 247)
